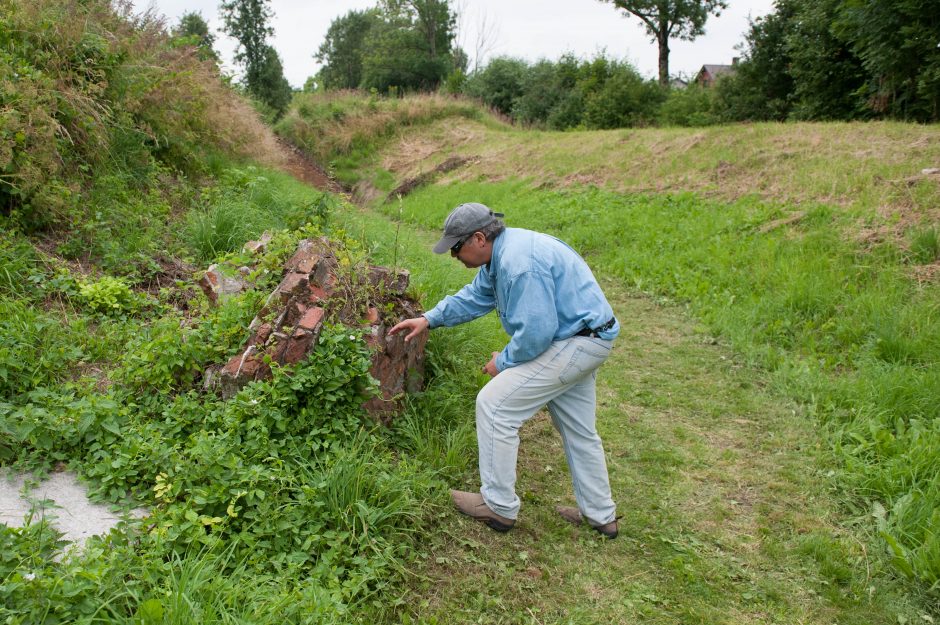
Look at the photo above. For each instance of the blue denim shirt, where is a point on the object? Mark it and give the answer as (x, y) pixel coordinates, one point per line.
(542, 290)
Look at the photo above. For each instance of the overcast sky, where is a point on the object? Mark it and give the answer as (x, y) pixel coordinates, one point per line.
(530, 29)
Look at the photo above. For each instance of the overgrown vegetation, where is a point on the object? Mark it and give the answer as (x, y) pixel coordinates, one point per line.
(287, 481)
(395, 47)
(93, 96)
(343, 129)
(122, 176)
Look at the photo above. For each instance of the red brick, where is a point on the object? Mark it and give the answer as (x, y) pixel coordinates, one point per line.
(307, 265)
(231, 367)
(292, 284)
(261, 336)
(307, 256)
(318, 294)
(293, 312)
(297, 346)
(312, 319)
(372, 316)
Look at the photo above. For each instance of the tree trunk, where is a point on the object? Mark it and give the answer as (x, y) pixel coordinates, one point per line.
(663, 59)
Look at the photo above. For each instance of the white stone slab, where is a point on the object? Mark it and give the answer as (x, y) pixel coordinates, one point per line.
(63, 501)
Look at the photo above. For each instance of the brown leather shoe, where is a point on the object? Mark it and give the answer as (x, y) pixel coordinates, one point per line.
(574, 516)
(473, 506)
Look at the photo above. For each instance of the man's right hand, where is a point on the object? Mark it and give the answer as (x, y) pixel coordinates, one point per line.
(415, 326)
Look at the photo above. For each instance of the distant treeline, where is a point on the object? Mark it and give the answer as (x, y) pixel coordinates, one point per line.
(807, 60)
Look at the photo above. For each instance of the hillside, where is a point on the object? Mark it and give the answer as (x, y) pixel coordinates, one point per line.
(811, 250)
(770, 411)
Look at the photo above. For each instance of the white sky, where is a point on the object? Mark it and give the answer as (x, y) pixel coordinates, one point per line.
(529, 29)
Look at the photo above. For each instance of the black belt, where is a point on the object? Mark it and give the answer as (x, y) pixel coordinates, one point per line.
(595, 333)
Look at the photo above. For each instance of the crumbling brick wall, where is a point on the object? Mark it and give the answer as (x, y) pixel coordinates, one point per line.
(288, 326)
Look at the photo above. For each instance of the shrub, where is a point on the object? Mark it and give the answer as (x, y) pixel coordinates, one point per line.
(624, 99)
(691, 106)
(499, 84)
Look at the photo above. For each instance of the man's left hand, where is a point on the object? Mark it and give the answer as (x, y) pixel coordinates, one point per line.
(490, 367)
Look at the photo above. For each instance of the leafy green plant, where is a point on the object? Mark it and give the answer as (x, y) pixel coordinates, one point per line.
(109, 296)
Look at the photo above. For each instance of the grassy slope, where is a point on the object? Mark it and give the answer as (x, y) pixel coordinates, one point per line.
(728, 516)
(706, 502)
(874, 168)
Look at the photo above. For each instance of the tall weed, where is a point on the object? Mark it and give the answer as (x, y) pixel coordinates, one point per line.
(97, 87)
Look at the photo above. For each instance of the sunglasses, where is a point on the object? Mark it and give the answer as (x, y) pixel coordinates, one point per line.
(458, 245)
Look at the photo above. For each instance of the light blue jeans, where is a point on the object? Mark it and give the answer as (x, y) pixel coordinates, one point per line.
(563, 377)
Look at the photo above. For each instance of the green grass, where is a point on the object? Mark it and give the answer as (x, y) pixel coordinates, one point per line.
(843, 330)
(283, 504)
(730, 504)
(267, 507)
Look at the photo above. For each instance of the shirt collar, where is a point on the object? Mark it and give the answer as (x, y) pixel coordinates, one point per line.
(497, 251)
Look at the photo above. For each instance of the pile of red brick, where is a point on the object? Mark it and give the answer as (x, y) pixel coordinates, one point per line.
(286, 330)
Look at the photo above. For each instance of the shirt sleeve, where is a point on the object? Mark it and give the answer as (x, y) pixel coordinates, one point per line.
(472, 301)
(531, 312)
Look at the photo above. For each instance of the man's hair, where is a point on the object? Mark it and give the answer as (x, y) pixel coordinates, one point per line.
(493, 230)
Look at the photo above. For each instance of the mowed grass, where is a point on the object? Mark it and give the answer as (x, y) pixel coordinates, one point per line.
(730, 500)
(844, 330)
(873, 170)
(809, 249)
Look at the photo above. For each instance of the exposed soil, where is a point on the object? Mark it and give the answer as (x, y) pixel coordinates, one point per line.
(426, 177)
(305, 169)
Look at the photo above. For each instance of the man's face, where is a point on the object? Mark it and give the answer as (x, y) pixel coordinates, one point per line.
(475, 252)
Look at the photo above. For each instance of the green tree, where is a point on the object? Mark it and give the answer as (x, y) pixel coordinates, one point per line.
(762, 87)
(898, 44)
(541, 93)
(796, 65)
(827, 75)
(247, 22)
(194, 30)
(499, 84)
(433, 20)
(272, 83)
(341, 52)
(406, 44)
(671, 19)
(412, 48)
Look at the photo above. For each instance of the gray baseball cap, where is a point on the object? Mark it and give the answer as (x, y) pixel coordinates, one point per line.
(464, 221)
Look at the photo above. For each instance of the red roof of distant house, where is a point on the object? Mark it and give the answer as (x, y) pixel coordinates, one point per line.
(709, 73)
